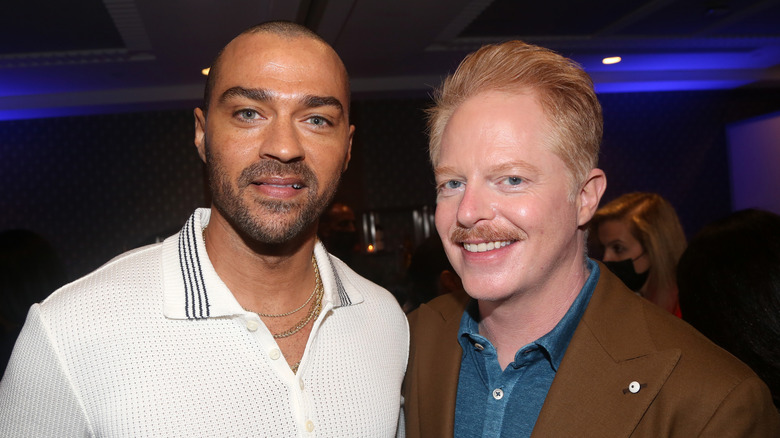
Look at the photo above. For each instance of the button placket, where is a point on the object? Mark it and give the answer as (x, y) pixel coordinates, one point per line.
(252, 325)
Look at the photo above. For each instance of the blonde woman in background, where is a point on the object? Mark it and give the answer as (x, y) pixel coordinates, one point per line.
(642, 241)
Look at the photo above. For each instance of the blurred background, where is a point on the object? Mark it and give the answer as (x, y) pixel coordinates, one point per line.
(96, 102)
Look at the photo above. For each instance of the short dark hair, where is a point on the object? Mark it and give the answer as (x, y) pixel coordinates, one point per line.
(285, 29)
(729, 288)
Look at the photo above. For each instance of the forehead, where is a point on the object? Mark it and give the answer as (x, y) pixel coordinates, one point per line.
(285, 65)
(497, 126)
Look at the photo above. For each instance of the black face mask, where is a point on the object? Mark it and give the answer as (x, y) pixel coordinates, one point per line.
(624, 270)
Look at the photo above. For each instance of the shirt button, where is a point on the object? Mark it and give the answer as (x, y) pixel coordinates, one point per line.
(309, 426)
(252, 325)
(634, 387)
(275, 354)
(479, 346)
(498, 393)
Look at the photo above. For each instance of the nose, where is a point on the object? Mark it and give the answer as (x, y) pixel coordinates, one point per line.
(281, 141)
(474, 206)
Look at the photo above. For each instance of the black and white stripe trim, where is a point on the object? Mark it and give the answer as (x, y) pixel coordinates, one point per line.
(196, 301)
(342, 291)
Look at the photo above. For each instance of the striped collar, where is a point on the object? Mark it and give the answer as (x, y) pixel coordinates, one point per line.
(193, 290)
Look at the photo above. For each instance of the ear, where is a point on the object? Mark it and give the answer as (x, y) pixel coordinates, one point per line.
(589, 196)
(349, 148)
(200, 133)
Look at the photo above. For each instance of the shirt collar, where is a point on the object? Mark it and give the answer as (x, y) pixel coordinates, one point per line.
(555, 342)
(193, 290)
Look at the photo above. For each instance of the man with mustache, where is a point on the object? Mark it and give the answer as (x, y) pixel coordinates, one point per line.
(549, 343)
(242, 324)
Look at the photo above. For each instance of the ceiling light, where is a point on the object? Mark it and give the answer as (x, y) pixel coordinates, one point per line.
(611, 60)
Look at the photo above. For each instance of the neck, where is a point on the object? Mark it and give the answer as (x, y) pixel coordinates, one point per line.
(525, 317)
(267, 278)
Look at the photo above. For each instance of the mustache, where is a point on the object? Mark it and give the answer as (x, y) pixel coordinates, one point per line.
(486, 233)
(266, 168)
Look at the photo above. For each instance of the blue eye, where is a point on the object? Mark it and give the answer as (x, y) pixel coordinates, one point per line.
(318, 121)
(514, 180)
(453, 184)
(247, 114)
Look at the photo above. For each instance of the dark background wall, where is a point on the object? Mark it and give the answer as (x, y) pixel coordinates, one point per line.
(96, 186)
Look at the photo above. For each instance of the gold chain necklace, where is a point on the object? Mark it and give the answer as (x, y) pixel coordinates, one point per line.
(317, 285)
(313, 313)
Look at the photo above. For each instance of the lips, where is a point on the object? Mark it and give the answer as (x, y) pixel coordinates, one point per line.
(281, 182)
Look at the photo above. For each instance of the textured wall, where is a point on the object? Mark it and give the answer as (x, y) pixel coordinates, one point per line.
(97, 185)
(675, 144)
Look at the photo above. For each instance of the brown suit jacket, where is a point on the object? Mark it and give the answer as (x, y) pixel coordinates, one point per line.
(689, 386)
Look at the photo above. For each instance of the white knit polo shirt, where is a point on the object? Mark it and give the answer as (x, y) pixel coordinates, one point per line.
(154, 344)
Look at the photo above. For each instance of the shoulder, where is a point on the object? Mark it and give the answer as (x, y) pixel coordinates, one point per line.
(667, 331)
(623, 320)
(109, 285)
(702, 378)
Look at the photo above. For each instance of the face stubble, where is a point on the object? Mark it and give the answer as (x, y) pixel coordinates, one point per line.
(265, 221)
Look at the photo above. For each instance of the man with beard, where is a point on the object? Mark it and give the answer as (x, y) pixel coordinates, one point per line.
(241, 324)
(550, 343)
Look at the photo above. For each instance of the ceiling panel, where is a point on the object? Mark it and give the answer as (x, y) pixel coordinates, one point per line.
(30, 27)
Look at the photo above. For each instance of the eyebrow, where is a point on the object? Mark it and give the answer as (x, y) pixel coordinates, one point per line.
(514, 164)
(264, 95)
(502, 167)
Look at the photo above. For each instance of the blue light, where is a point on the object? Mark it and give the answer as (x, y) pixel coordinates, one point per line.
(681, 85)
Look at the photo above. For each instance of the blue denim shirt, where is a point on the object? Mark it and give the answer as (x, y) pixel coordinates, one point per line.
(506, 403)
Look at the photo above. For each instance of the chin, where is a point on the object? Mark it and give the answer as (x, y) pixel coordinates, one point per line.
(484, 291)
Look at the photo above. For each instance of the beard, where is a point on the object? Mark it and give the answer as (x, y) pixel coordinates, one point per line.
(267, 221)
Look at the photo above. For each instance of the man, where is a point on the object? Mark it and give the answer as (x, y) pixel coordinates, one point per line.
(551, 344)
(242, 324)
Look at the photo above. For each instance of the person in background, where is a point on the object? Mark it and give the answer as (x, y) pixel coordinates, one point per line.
(30, 270)
(241, 324)
(339, 233)
(429, 274)
(641, 239)
(729, 279)
(549, 343)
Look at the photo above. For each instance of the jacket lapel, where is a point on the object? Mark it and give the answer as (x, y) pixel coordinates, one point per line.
(435, 354)
(610, 349)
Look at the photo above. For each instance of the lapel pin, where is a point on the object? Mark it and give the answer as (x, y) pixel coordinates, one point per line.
(634, 387)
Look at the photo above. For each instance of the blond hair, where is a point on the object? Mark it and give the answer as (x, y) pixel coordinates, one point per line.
(563, 90)
(654, 223)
